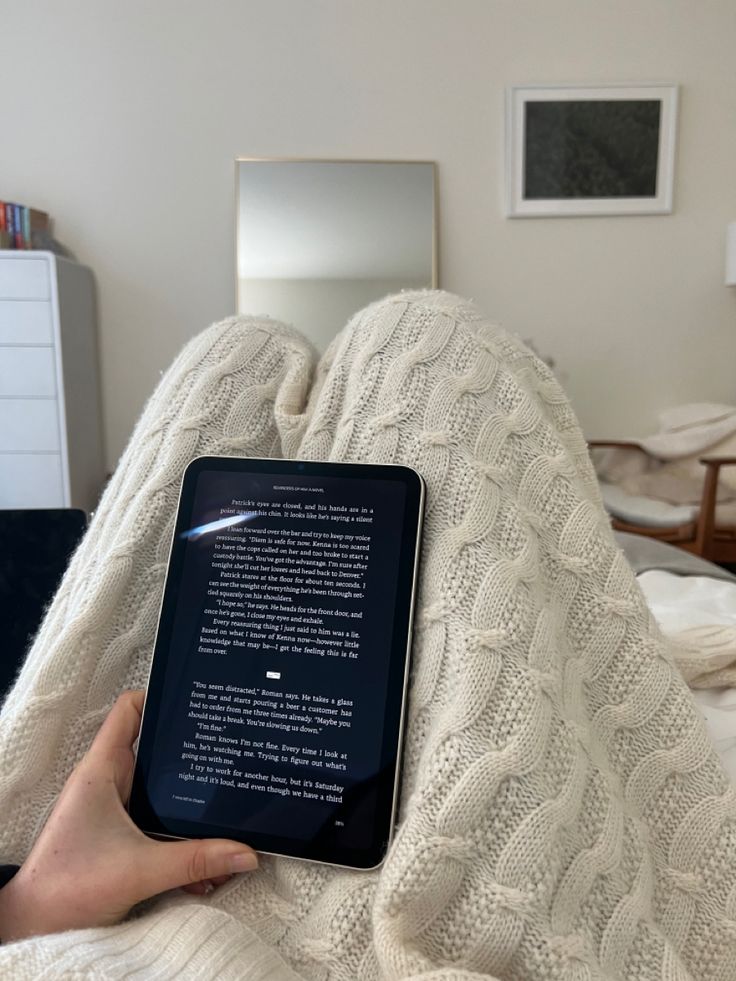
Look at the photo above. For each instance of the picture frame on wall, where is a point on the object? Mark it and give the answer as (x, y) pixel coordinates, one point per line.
(590, 150)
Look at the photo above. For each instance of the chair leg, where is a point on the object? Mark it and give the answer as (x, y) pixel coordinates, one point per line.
(706, 518)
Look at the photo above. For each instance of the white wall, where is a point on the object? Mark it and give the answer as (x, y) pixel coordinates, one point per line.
(123, 120)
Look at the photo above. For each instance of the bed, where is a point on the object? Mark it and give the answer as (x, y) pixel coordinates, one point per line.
(694, 603)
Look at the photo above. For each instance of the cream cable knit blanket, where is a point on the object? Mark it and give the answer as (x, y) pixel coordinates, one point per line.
(564, 814)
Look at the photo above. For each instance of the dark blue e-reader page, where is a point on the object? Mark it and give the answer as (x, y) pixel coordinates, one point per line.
(271, 710)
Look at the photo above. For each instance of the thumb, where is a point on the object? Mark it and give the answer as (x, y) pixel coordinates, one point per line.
(169, 865)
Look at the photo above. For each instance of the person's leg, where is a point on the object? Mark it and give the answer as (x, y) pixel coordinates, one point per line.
(555, 769)
(424, 379)
(222, 395)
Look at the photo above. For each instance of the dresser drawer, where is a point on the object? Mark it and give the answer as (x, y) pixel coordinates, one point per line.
(27, 372)
(29, 480)
(26, 322)
(24, 279)
(29, 425)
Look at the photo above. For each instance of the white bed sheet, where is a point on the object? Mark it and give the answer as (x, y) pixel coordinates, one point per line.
(679, 602)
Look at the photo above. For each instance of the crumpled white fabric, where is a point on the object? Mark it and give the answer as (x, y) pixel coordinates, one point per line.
(691, 428)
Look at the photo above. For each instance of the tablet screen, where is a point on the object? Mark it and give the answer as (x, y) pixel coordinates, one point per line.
(275, 701)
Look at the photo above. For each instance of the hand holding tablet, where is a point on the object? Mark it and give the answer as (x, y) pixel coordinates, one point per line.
(277, 692)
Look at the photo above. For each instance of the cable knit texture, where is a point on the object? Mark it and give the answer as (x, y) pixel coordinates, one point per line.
(564, 815)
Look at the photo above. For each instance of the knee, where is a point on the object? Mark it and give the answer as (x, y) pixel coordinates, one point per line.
(404, 318)
(431, 302)
(249, 329)
(426, 319)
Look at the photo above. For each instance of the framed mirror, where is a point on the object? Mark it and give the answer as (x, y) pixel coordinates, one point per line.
(319, 239)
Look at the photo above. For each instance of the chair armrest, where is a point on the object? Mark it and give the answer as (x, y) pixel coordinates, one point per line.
(627, 444)
(718, 461)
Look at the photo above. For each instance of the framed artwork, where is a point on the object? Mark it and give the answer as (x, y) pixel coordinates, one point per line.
(594, 150)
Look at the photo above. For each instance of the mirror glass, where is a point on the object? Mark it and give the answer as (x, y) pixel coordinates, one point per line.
(318, 240)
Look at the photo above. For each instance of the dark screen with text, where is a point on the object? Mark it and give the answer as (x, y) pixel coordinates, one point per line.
(271, 715)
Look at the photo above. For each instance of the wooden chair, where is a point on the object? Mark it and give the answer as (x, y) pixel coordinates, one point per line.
(702, 536)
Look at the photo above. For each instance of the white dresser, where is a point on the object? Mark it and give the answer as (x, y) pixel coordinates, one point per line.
(51, 451)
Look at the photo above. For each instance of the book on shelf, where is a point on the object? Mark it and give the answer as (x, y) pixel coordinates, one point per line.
(18, 224)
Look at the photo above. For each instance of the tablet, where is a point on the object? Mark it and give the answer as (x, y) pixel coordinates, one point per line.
(276, 699)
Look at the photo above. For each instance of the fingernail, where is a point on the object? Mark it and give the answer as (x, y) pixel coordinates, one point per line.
(243, 862)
